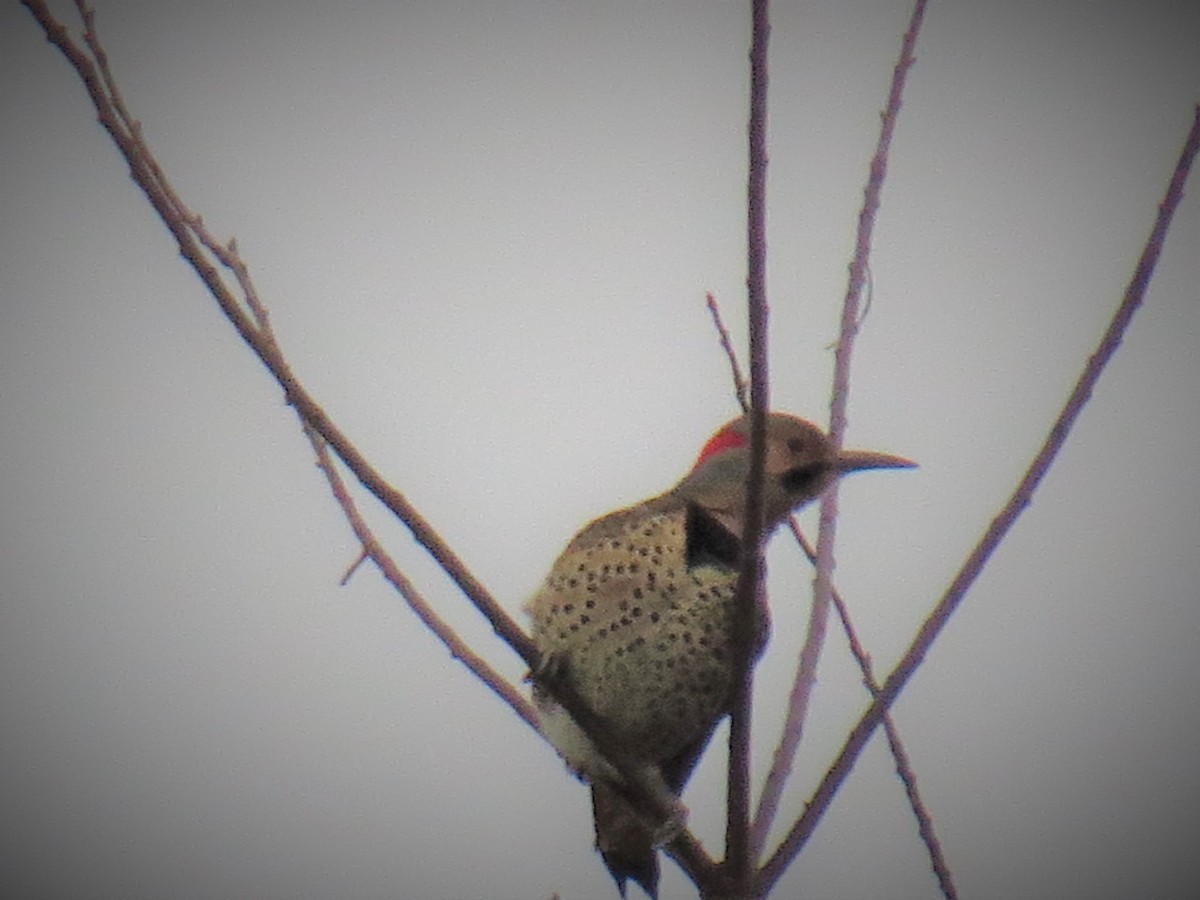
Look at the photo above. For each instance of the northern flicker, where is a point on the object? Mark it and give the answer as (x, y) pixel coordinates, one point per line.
(636, 614)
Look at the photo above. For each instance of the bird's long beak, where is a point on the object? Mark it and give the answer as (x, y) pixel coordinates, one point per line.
(854, 460)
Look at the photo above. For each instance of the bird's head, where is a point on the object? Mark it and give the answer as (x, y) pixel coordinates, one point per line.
(800, 463)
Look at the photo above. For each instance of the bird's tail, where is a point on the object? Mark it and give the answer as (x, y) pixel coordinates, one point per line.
(624, 840)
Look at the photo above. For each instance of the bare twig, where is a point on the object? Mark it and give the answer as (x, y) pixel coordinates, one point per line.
(785, 753)
(999, 527)
(373, 550)
(904, 769)
(363, 556)
(740, 388)
(737, 826)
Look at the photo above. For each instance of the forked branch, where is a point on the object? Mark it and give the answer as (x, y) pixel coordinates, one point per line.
(249, 317)
(1000, 526)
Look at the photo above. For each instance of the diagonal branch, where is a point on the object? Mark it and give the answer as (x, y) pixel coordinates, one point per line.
(904, 769)
(183, 225)
(254, 327)
(252, 324)
(999, 527)
(374, 551)
(739, 381)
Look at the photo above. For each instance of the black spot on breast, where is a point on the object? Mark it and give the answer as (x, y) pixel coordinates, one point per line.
(709, 543)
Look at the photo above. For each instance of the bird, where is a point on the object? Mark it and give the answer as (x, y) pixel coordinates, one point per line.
(638, 612)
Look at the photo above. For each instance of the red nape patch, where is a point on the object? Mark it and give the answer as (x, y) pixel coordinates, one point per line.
(725, 439)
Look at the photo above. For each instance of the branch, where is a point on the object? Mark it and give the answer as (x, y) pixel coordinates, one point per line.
(1000, 526)
(739, 381)
(183, 226)
(252, 324)
(903, 767)
(737, 824)
(908, 777)
(806, 673)
(374, 551)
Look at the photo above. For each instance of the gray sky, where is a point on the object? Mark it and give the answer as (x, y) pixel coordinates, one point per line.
(485, 233)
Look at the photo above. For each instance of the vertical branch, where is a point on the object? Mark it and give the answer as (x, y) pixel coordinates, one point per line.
(806, 674)
(737, 844)
(1000, 526)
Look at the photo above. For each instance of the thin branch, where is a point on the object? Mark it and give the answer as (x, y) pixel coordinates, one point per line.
(251, 323)
(373, 550)
(363, 556)
(740, 388)
(810, 652)
(999, 527)
(181, 224)
(737, 825)
(147, 169)
(684, 848)
(903, 767)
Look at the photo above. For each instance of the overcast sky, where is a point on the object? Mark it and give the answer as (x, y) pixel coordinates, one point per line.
(485, 232)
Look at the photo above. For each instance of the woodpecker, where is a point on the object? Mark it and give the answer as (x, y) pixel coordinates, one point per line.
(637, 615)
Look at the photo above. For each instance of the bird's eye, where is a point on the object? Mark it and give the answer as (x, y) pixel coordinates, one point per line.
(795, 444)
